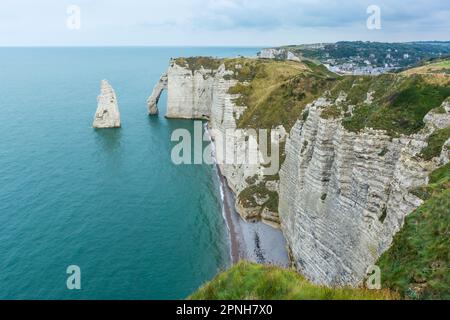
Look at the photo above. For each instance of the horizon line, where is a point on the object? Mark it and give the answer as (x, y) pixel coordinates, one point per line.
(207, 46)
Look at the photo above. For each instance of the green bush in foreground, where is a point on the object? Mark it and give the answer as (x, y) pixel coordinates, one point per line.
(247, 280)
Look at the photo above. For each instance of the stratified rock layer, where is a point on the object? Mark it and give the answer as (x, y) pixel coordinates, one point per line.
(344, 195)
(107, 114)
(204, 94)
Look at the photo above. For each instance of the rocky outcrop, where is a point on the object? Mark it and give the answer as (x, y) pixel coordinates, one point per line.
(152, 101)
(107, 114)
(190, 93)
(204, 94)
(344, 195)
(278, 54)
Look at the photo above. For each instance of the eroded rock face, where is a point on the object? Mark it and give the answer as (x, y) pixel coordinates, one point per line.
(107, 114)
(152, 101)
(204, 94)
(344, 195)
(279, 54)
(190, 94)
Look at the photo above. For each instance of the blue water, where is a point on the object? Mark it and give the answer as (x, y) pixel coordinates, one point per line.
(109, 201)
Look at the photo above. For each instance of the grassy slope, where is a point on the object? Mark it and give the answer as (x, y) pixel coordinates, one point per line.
(274, 92)
(433, 67)
(278, 91)
(418, 263)
(253, 281)
(399, 105)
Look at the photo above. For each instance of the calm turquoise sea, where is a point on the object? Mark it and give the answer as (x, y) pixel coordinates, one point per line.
(108, 201)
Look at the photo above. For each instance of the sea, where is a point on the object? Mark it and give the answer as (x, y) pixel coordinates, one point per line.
(109, 202)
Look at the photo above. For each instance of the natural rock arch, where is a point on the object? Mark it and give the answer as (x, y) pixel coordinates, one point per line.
(152, 101)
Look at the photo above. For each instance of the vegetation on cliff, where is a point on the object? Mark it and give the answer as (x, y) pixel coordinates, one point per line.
(248, 197)
(435, 143)
(196, 63)
(245, 281)
(398, 103)
(418, 263)
(434, 66)
(276, 92)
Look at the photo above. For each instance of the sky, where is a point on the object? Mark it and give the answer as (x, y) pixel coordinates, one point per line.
(216, 22)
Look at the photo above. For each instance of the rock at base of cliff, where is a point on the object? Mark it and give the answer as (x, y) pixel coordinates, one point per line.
(107, 114)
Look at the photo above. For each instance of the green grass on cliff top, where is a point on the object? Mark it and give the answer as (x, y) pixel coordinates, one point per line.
(418, 264)
(276, 92)
(400, 101)
(250, 281)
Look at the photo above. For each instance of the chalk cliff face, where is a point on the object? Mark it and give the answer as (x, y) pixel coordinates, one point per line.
(204, 94)
(107, 114)
(279, 54)
(343, 195)
(190, 93)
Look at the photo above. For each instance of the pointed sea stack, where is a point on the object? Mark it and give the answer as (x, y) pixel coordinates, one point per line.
(107, 114)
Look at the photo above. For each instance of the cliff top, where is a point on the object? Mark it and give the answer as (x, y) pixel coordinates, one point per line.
(396, 103)
(276, 93)
(262, 282)
(432, 67)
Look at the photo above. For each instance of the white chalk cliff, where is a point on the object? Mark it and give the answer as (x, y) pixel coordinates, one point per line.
(107, 114)
(342, 195)
(204, 94)
(278, 54)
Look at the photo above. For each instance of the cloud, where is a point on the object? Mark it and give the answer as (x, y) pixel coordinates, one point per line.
(219, 22)
(263, 15)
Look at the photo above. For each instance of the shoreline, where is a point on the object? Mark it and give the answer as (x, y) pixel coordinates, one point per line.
(253, 241)
(227, 207)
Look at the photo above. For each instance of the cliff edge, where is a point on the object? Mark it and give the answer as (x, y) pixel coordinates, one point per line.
(352, 150)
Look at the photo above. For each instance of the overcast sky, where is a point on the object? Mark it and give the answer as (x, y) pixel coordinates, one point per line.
(218, 22)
